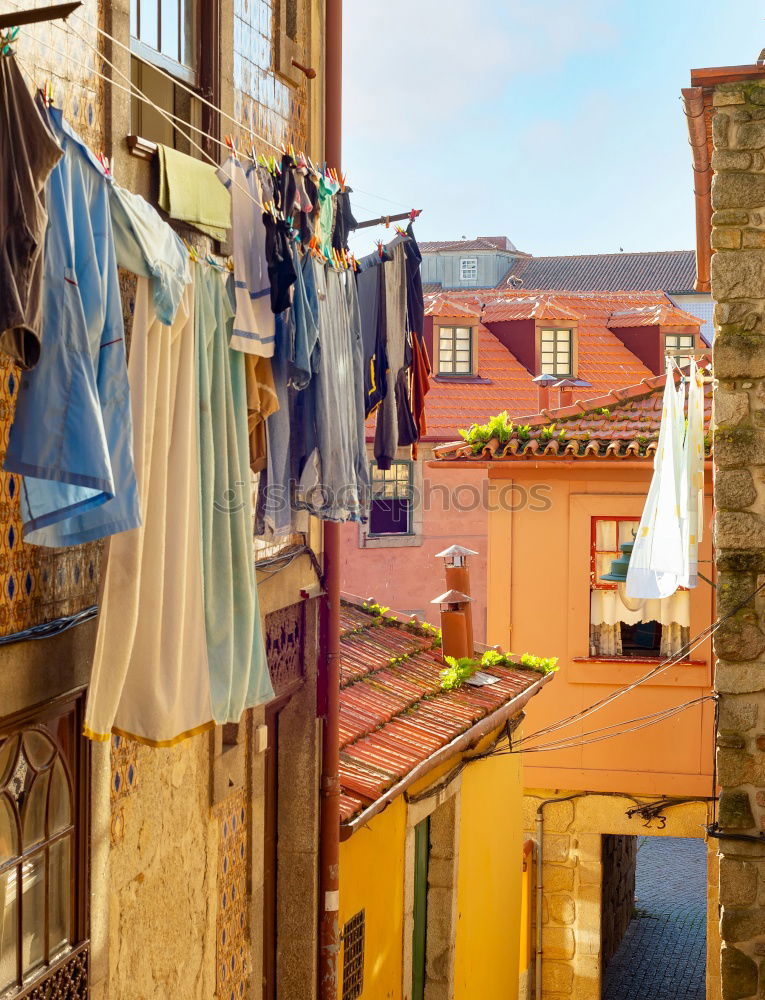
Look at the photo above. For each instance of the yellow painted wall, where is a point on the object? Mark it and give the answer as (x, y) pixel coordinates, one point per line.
(489, 885)
(372, 879)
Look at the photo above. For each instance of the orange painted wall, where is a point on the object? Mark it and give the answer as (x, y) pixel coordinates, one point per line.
(408, 578)
(539, 570)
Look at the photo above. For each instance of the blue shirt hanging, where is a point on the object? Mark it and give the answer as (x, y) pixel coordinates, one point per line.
(72, 436)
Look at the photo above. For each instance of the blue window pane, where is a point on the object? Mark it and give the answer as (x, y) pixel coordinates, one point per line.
(170, 35)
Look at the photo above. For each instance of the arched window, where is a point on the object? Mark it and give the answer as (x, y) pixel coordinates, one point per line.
(41, 852)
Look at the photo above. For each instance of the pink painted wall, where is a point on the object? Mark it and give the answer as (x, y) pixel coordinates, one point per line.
(408, 578)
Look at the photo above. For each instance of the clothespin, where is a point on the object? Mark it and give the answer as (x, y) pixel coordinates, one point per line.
(7, 39)
(105, 163)
(47, 93)
(414, 214)
(380, 248)
(230, 264)
(192, 251)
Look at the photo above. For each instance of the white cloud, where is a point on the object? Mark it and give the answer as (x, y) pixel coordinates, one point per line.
(412, 65)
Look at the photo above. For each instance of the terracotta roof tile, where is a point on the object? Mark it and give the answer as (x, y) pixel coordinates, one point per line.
(540, 306)
(664, 314)
(393, 712)
(479, 243)
(623, 423)
(604, 361)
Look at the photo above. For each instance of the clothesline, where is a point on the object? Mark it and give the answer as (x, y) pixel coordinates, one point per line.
(168, 116)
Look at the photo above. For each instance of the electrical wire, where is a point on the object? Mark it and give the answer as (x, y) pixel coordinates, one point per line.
(55, 627)
(660, 668)
(652, 720)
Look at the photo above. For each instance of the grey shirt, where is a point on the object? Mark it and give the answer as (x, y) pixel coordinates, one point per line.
(28, 153)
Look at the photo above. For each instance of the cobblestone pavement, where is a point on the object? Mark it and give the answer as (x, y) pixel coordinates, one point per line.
(663, 954)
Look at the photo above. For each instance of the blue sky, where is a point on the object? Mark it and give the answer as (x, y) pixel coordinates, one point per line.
(557, 124)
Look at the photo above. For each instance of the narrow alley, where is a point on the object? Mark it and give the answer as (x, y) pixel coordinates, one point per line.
(662, 956)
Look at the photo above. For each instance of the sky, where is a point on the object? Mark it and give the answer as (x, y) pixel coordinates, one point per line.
(557, 124)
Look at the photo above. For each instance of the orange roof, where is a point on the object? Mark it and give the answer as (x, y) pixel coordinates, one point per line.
(624, 423)
(441, 304)
(506, 384)
(539, 306)
(394, 714)
(663, 314)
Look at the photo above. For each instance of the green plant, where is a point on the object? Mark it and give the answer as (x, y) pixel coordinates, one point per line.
(542, 664)
(378, 610)
(562, 436)
(604, 411)
(523, 431)
(547, 432)
(499, 427)
(457, 672)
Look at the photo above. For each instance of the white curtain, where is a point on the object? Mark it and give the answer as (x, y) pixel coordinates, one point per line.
(673, 638)
(606, 607)
(606, 640)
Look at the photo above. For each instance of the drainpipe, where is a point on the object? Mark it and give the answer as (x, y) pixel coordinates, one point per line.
(693, 101)
(329, 833)
(540, 884)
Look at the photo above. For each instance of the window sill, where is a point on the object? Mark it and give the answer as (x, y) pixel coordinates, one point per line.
(389, 541)
(649, 660)
(463, 379)
(144, 149)
(617, 670)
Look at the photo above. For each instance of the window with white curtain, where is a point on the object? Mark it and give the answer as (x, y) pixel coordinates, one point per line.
(621, 626)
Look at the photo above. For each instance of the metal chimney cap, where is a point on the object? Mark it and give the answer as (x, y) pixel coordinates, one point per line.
(544, 379)
(455, 550)
(452, 597)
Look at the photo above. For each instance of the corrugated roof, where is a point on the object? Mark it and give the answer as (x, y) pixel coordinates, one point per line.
(393, 712)
(666, 271)
(622, 424)
(604, 360)
(539, 306)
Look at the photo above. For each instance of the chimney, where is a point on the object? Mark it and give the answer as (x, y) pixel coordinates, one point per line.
(458, 578)
(543, 391)
(455, 614)
(567, 386)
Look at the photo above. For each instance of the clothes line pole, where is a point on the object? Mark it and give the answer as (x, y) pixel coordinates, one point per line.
(385, 220)
(18, 18)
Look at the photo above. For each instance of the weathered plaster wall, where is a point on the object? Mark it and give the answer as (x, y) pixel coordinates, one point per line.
(738, 288)
(572, 872)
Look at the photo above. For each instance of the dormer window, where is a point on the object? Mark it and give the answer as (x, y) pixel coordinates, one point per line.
(556, 351)
(677, 342)
(469, 269)
(455, 350)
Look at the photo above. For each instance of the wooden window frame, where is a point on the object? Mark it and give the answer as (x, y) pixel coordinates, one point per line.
(452, 328)
(287, 48)
(375, 471)
(203, 76)
(473, 262)
(681, 360)
(557, 328)
(78, 773)
(595, 583)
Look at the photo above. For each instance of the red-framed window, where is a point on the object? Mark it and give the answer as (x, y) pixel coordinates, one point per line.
(607, 534)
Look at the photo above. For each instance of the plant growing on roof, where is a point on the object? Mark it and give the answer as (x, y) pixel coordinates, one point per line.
(523, 431)
(547, 432)
(458, 671)
(603, 411)
(378, 610)
(542, 664)
(499, 428)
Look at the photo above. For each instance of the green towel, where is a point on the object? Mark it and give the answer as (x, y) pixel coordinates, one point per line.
(189, 190)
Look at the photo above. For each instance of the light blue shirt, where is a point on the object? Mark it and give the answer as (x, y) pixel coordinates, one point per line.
(72, 436)
(146, 245)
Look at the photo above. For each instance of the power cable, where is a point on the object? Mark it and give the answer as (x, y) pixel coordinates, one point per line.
(670, 661)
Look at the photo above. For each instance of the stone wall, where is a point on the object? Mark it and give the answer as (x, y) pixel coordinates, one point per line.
(738, 288)
(574, 881)
(619, 860)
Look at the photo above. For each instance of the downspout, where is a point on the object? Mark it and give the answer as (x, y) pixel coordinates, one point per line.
(540, 884)
(329, 833)
(693, 102)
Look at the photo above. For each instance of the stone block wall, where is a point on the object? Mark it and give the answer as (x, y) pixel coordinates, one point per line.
(576, 881)
(738, 288)
(619, 859)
